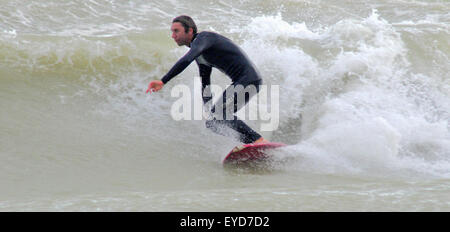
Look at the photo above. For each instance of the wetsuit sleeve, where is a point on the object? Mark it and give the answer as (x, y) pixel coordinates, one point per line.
(205, 74)
(200, 44)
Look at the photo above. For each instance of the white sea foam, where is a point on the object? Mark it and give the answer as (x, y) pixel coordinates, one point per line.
(357, 104)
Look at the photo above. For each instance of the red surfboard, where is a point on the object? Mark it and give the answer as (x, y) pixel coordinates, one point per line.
(250, 153)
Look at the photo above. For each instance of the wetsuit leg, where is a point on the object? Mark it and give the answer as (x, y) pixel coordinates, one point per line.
(233, 99)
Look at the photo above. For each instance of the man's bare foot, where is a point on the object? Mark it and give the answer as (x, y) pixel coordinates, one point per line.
(260, 140)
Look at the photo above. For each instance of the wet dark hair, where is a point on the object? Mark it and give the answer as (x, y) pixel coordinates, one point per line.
(187, 22)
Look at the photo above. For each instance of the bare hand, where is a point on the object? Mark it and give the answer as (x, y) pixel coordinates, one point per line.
(155, 86)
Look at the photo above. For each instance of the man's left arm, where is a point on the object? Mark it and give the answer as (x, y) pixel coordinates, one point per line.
(205, 74)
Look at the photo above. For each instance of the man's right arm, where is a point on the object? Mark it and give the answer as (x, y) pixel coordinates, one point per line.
(200, 44)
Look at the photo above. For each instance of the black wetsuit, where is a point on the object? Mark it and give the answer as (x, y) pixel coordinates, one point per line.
(210, 50)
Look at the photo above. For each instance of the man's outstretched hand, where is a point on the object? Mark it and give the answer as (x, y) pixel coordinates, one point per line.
(154, 86)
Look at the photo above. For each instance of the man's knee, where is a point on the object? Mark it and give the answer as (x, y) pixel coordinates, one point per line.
(209, 124)
(216, 126)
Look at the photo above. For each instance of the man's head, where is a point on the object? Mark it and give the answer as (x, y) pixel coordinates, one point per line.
(183, 29)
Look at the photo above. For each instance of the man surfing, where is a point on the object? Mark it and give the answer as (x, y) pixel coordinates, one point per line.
(210, 50)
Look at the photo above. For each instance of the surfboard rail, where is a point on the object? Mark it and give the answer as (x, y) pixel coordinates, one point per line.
(248, 153)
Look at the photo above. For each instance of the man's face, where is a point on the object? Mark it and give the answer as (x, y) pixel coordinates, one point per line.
(179, 35)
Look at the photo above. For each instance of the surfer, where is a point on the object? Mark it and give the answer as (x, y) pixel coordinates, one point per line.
(210, 50)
